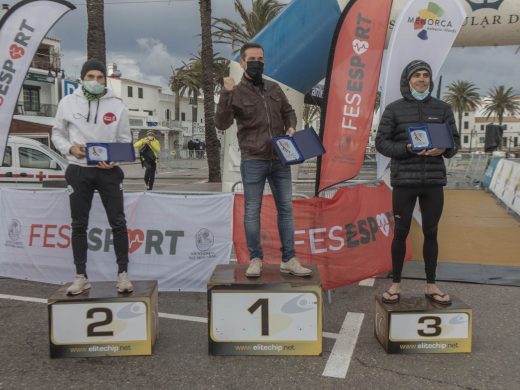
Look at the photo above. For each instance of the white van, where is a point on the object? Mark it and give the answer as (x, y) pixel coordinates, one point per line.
(29, 163)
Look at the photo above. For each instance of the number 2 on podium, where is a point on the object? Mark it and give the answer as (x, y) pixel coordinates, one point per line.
(264, 304)
(109, 316)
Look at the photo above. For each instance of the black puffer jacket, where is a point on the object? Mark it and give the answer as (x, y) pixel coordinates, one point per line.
(407, 169)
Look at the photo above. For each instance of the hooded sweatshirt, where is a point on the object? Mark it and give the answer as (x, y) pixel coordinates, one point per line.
(79, 121)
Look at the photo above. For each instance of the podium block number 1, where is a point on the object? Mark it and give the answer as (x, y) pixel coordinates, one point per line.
(261, 316)
(264, 304)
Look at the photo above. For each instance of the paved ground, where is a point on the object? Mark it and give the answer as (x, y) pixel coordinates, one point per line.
(181, 360)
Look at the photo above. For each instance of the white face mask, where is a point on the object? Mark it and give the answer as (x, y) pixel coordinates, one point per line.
(93, 87)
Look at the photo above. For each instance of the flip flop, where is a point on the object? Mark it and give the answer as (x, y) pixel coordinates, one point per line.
(431, 298)
(391, 301)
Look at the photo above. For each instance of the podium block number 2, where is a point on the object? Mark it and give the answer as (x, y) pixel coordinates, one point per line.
(91, 332)
(74, 323)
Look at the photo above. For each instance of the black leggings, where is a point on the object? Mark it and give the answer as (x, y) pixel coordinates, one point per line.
(83, 181)
(149, 174)
(431, 201)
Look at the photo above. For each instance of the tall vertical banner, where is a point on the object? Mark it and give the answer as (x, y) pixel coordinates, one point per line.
(424, 30)
(350, 89)
(22, 29)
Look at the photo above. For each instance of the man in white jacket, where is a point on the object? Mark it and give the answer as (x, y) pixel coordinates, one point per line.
(93, 114)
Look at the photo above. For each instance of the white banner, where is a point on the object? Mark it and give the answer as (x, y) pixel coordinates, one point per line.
(424, 30)
(22, 29)
(175, 239)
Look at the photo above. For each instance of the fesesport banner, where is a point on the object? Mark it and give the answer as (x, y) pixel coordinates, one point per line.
(424, 30)
(175, 239)
(22, 29)
(351, 88)
(349, 236)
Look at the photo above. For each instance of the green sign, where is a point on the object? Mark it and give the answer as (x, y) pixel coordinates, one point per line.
(42, 78)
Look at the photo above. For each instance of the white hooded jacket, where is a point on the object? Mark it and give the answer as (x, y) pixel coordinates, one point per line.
(79, 121)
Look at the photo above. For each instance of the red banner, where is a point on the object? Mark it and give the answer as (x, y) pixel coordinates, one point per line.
(351, 87)
(349, 236)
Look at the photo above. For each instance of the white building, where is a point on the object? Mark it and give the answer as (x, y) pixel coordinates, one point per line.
(473, 131)
(151, 108)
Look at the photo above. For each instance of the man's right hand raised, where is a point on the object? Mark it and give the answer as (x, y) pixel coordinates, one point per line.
(229, 83)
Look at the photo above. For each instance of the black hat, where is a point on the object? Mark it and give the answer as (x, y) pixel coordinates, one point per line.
(416, 66)
(93, 64)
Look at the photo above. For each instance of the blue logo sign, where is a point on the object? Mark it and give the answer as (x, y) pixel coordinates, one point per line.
(69, 87)
(476, 5)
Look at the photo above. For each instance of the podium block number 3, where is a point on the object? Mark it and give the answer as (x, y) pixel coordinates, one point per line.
(91, 332)
(264, 304)
(435, 326)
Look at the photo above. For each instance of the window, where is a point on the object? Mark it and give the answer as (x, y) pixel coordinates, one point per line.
(32, 158)
(8, 158)
(504, 141)
(140, 93)
(504, 127)
(31, 98)
(482, 140)
(183, 116)
(167, 114)
(482, 127)
(515, 142)
(466, 114)
(466, 125)
(130, 91)
(466, 139)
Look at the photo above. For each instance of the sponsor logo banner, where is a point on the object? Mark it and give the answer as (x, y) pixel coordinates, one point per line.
(348, 237)
(22, 29)
(176, 240)
(351, 87)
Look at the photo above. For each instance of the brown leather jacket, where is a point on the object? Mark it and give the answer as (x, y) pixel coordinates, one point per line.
(261, 113)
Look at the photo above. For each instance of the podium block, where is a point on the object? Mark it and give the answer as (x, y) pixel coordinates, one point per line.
(415, 325)
(275, 314)
(102, 322)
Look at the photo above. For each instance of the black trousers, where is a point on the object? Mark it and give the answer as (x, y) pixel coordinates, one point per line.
(431, 201)
(149, 174)
(108, 182)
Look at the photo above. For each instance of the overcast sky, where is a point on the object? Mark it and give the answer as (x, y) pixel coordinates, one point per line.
(148, 38)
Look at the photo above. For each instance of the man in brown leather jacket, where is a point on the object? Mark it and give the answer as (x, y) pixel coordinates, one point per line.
(262, 111)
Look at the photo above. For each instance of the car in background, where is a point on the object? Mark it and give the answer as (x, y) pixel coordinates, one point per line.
(29, 163)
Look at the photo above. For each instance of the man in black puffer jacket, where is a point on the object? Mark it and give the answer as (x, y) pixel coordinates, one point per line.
(415, 174)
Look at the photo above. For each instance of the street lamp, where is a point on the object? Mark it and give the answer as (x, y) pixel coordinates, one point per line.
(56, 71)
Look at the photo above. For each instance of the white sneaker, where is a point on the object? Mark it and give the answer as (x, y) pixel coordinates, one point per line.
(79, 285)
(294, 267)
(123, 284)
(255, 268)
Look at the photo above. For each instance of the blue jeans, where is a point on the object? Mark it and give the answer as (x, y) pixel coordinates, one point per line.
(254, 173)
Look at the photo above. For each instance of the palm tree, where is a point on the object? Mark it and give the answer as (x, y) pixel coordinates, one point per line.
(208, 87)
(236, 34)
(96, 47)
(310, 113)
(501, 101)
(462, 96)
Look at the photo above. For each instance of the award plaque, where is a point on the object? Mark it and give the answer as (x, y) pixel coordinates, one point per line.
(97, 152)
(109, 152)
(419, 137)
(303, 145)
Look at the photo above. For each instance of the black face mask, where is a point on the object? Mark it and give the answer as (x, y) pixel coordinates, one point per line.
(255, 69)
